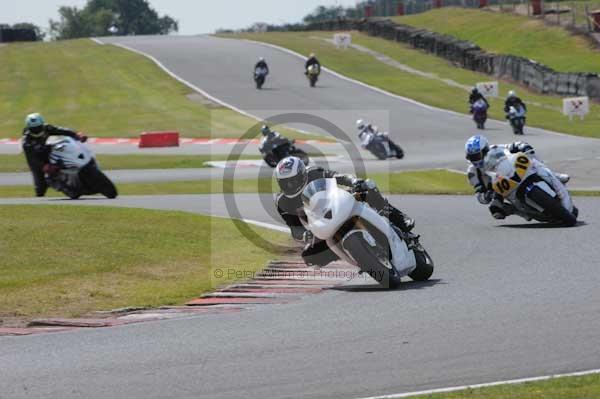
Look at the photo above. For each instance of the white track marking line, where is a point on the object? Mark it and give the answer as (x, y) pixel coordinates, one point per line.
(267, 225)
(97, 41)
(486, 385)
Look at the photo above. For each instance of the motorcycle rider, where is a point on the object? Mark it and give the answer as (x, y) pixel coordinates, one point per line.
(35, 134)
(312, 60)
(293, 176)
(365, 130)
(476, 95)
(513, 101)
(477, 149)
(262, 64)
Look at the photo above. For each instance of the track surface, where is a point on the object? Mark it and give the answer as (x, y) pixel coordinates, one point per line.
(507, 302)
(222, 67)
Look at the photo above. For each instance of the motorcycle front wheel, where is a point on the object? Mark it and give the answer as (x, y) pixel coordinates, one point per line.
(97, 182)
(424, 268)
(270, 160)
(372, 260)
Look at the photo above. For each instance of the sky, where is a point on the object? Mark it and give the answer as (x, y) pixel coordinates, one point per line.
(194, 16)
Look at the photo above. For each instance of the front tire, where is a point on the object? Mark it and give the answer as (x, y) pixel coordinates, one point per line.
(97, 182)
(372, 260)
(424, 268)
(270, 160)
(552, 206)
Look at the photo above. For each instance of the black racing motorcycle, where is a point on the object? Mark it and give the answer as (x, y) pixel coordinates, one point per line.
(276, 147)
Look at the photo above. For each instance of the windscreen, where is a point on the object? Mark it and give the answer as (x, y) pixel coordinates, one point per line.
(312, 188)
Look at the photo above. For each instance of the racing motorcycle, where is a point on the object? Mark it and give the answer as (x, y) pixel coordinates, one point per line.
(516, 117)
(312, 74)
(380, 145)
(362, 237)
(517, 179)
(260, 75)
(479, 111)
(274, 149)
(76, 171)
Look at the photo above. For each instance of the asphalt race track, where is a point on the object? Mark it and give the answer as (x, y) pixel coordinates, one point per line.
(508, 300)
(430, 138)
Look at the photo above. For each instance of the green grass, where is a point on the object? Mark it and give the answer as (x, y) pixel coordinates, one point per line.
(17, 163)
(512, 34)
(584, 387)
(413, 182)
(105, 91)
(68, 261)
(428, 91)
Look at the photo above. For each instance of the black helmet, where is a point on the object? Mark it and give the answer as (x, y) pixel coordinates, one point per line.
(265, 130)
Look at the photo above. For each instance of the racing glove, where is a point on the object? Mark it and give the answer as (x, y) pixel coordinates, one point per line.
(82, 137)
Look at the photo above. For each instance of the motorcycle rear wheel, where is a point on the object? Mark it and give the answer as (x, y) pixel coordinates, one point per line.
(552, 206)
(371, 260)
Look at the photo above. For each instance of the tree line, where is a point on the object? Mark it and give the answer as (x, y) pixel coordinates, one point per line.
(105, 17)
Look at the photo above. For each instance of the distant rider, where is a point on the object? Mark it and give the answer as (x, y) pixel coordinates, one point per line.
(366, 132)
(312, 60)
(476, 95)
(262, 64)
(477, 149)
(513, 101)
(35, 134)
(293, 176)
(272, 139)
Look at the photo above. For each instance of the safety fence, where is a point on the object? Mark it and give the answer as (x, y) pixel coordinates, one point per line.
(470, 56)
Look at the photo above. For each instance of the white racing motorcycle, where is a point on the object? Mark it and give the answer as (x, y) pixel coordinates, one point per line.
(362, 237)
(518, 178)
(78, 173)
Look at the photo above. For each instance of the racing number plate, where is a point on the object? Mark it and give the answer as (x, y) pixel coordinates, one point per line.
(505, 185)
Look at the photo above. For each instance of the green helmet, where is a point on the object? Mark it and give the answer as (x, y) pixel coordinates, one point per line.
(35, 124)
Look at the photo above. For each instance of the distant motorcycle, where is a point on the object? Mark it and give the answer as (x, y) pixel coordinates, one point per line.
(260, 76)
(516, 117)
(479, 110)
(518, 180)
(275, 148)
(312, 74)
(380, 145)
(362, 237)
(78, 173)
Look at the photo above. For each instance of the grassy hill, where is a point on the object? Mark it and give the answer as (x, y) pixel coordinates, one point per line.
(512, 34)
(105, 91)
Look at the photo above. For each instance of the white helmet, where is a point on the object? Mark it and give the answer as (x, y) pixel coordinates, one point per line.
(511, 94)
(476, 148)
(360, 124)
(35, 124)
(261, 59)
(291, 175)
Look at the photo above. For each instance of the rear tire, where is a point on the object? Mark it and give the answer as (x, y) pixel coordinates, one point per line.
(370, 260)
(424, 268)
(296, 152)
(552, 206)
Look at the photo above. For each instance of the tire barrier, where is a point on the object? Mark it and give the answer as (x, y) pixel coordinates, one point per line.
(469, 56)
(17, 35)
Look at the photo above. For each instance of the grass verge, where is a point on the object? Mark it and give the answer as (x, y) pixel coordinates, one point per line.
(90, 258)
(507, 33)
(435, 182)
(434, 92)
(583, 387)
(12, 163)
(105, 91)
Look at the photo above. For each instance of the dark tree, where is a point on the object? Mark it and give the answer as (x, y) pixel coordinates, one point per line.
(130, 17)
(39, 34)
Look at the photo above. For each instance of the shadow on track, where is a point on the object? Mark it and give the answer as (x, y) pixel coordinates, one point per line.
(540, 225)
(409, 285)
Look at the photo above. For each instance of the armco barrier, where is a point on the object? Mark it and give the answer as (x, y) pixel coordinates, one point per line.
(159, 139)
(468, 55)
